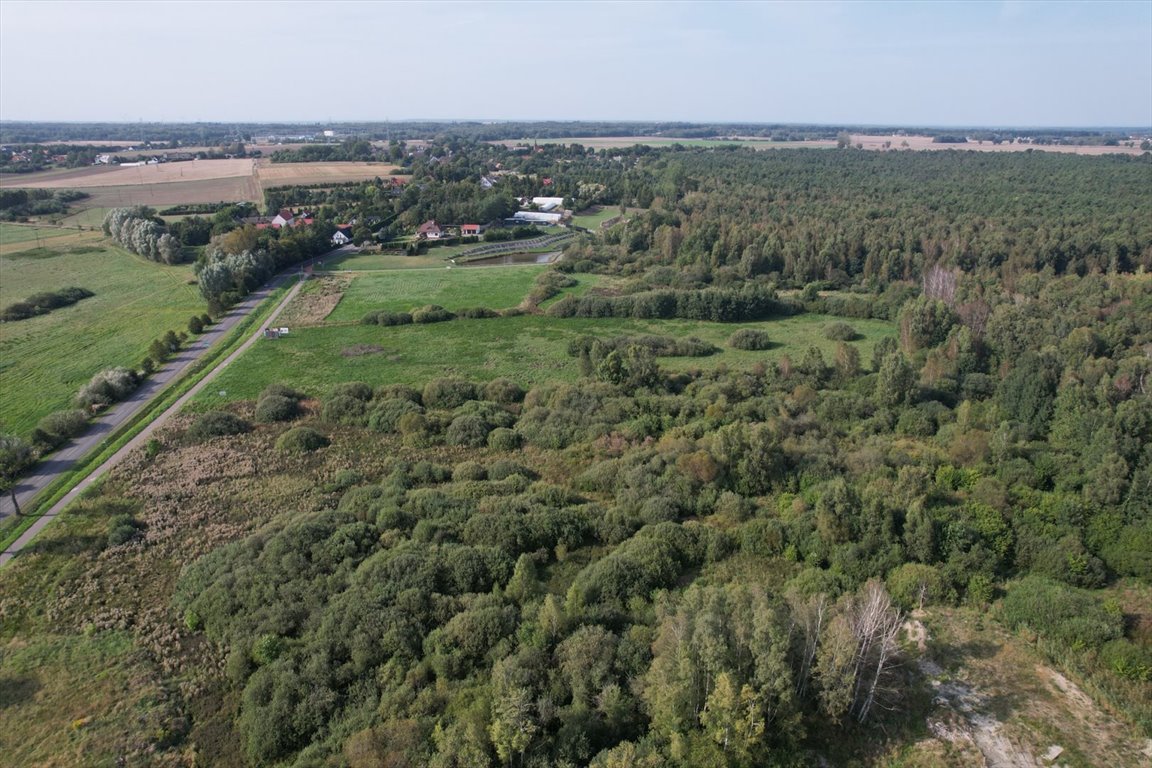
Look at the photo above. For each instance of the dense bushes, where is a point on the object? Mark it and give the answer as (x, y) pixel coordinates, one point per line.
(840, 331)
(301, 440)
(107, 387)
(43, 303)
(383, 317)
(750, 339)
(56, 428)
(216, 424)
(727, 305)
(1069, 617)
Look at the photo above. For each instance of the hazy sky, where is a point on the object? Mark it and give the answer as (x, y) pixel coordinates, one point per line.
(1012, 63)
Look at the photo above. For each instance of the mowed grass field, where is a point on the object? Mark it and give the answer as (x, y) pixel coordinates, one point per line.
(22, 238)
(23, 233)
(453, 289)
(528, 349)
(44, 360)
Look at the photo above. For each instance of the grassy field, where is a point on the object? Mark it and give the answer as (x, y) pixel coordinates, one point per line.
(593, 218)
(44, 360)
(357, 262)
(11, 234)
(528, 349)
(89, 217)
(450, 288)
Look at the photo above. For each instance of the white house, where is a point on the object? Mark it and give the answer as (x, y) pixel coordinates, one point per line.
(283, 219)
(341, 237)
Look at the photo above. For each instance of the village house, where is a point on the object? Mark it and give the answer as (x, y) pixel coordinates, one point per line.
(430, 230)
(343, 235)
(283, 219)
(473, 230)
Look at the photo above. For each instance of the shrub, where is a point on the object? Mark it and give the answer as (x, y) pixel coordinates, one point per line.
(121, 528)
(195, 325)
(281, 390)
(470, 430)
(301, 440)
(477, 313)
(432, 313)
(503, 391)
(840, 331)
(276, 408)
(448, 393)
(217, 424)
(505, 468)
(356, 389)
(469, 470)
(385, 415)
(1067, 615)
(398, 392)
(383, 317)
(504, 439)
(344, 409)
(107, 387)
(749, 339)
(64, 424)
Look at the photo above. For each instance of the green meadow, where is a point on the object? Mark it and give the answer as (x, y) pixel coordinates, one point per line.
(44, 360)
(453, 289)
(528, 349)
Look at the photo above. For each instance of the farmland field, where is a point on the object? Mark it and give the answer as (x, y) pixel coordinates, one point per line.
(198, 181)
(44, 360)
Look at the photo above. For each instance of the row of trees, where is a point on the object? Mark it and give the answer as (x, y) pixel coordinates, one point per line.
(137, 230)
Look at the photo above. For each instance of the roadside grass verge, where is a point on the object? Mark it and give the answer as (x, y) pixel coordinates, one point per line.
(13, 527)
(528, 349)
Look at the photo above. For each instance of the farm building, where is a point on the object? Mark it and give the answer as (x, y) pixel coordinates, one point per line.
(534, 217)
(472, 229)
(548, 203)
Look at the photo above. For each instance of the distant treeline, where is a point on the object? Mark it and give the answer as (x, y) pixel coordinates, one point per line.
(15, 132)
(16, 204)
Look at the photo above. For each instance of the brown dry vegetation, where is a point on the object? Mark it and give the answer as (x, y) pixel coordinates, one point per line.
(315, 301)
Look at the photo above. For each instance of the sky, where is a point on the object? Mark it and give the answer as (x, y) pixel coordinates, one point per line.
(1012, 63)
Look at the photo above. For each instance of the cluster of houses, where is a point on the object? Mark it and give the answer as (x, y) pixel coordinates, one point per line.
(547, 211)
(284, 218)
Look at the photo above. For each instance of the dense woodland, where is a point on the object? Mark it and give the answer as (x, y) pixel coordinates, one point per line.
(707, 567)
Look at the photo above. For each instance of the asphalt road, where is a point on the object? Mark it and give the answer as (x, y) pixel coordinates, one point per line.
(63, 460)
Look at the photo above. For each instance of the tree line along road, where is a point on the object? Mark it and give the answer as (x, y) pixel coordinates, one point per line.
(68, 457)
